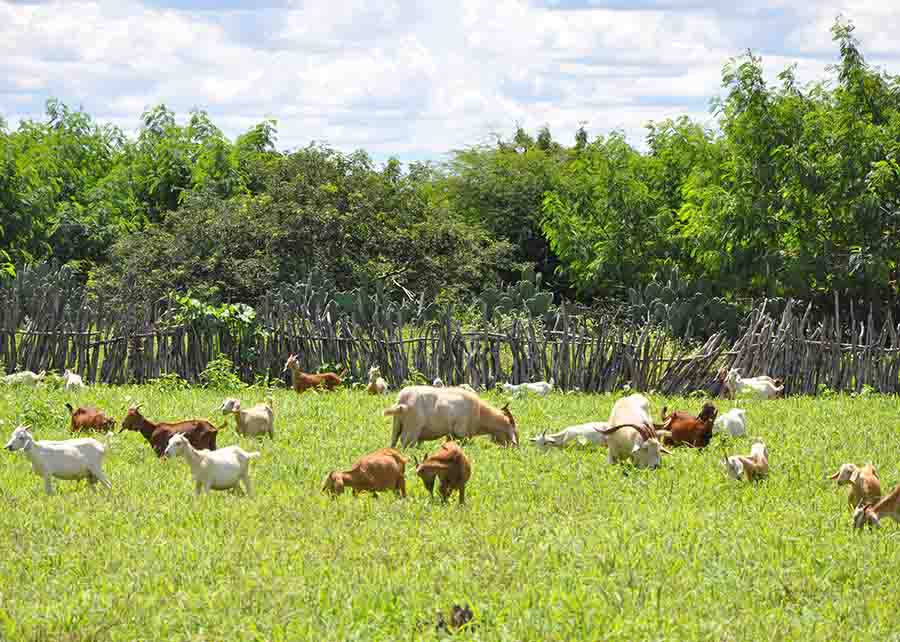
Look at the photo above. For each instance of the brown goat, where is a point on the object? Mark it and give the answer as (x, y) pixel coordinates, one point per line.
(681, 428)
(89, 419)
(200, 432)
(302, 381)
(379, 471)
(451, 467)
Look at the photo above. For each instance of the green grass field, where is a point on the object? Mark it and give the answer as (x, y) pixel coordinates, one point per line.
(551, 545)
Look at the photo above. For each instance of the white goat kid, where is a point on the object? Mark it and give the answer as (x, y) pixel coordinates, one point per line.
(732, 423)
(252, 422)
(68, 459)
(213, 469)
(24, 378)
(540, 388)
(590, 433)
(72, 380)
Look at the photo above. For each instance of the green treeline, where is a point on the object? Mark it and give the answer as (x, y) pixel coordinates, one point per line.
(794, 193)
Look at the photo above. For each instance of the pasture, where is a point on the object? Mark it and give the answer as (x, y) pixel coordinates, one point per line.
(551, 545)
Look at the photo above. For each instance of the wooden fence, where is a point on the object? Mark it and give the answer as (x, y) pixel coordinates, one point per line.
(60, 330)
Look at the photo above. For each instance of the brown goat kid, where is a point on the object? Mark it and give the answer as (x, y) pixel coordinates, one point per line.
(381, 470)
(302, 381)
(450, 467)
(89, 419)
(684, 429)
(200, 432)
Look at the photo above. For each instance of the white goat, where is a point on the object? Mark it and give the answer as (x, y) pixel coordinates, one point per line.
(24, 378)
(213, 469)
(761, 387)
(631, 434)
(68, 459)
(754, 467)
(590, 433)
(252, 422)
(377, 384)
(540, 388)
(72, 380)
(437, 383)
(733, 423)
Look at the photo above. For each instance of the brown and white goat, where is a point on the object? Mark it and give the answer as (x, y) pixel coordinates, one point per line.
(377, 384)
(89, 419)
(302, 381)
(865, 485)
(200, 432)
(379, 471)
(682, 428)
(450, 467)
(872, 514)
(754, 467)
(424, 413)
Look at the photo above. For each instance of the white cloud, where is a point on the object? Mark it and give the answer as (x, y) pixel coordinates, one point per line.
(417, 78)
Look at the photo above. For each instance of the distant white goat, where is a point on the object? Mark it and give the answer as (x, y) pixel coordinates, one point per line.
(68, 459)
(213, 469)
(733, 423)
(540, 388)
(24, 378)
(252, 422)
(437, 383)
(377, 384)
(589, 433)
(761, 387)
(752, 468)
(72, 380)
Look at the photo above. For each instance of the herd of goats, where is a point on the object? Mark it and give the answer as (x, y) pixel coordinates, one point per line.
(425, 413)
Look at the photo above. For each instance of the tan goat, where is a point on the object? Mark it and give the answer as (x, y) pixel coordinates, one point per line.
(865, 486)
(450, 467)
(753, 467)
(379, 471)
(871, 514)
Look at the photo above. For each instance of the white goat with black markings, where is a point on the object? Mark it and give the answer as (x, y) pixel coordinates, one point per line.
(220, 469)
(68, 459)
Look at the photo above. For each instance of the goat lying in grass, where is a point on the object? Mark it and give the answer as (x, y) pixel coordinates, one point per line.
(753, 467)
(68, 459)
(213, 469)
(89, 419)
(761, 387)
(423, 413)
(450, 467)
(302, 381)
(865, 486)
(252, 422)
(681, 428)
(379, 471)
(377, 384)
(539, 388)
(590, 433)
(732, 423)
(24, 378)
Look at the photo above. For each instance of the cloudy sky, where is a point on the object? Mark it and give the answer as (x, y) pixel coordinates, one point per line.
(412, 79)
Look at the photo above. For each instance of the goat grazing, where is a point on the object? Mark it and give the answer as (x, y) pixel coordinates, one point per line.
(540, 388)
(423, 413)
(450, 467)
(733, 423)
(252, 422)
(631, 434)
(377, 384)
(89, 419)
(200, 432)
(24, 378)
(865, 486)
(68, 459)
(872, 514)
(213, 469)
(590, 433)
(302, 381)
(681, 428)
(761, 387)
(753, 467)
(72, 381)
(379, 471)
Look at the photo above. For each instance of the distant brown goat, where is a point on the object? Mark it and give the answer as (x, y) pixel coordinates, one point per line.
(381, 470)
(452, 469)
(681, 428)
(302, 381)
(89, 419)
(200, 432)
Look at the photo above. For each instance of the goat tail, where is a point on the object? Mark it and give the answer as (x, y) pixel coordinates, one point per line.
(395, 410)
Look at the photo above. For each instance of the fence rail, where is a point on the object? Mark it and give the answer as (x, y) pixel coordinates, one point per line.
(59, 329)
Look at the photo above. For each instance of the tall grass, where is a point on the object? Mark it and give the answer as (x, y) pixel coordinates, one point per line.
(552, 545)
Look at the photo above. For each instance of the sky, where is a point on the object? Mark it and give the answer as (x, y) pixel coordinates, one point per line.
(414, 80)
